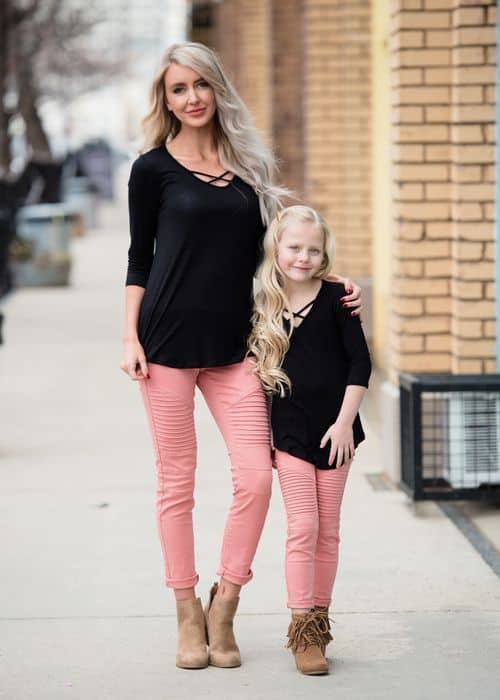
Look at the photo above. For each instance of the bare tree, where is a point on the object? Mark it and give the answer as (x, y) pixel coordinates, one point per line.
(4, 69)
(45, 52)
(11, 17)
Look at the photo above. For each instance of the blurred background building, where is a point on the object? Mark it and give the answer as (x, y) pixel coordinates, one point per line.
(88, 67)
(382, 113)
(133, 33)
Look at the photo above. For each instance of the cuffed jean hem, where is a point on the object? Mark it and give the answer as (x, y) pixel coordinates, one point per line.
(300, 604)
(322, 602)
(182, 582)
(238, 579)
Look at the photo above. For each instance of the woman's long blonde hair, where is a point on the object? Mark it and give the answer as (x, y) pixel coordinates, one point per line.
(269, 340)
(240, 146)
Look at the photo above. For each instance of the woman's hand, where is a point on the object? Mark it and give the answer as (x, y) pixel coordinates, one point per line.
(134, 360)
(342, 444)
(352, 300)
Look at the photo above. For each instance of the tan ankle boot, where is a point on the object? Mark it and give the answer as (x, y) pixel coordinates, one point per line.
(304, 640)
(191, 640)
(324, 627)
(219, 614)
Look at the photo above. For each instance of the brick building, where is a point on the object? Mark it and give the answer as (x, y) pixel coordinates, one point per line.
(383, 114)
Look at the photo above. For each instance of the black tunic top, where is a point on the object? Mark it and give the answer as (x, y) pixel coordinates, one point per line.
(328, 351)
(194, 247)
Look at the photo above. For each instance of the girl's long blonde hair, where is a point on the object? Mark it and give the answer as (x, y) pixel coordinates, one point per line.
(269, 340)
(240, 146)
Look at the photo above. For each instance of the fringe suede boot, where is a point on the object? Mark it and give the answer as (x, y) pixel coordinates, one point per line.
(219, 616)
(304, 639)
(324, 627)
(191, 636)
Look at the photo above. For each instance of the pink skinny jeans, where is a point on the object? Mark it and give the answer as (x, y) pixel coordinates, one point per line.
(235, 397)
(312, 498)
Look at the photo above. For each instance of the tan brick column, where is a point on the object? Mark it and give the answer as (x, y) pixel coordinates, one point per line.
(443, 151)
(421, 74)
(288, 92)
(226, 36)
(337, 124)
(243, 41)
(472, 188)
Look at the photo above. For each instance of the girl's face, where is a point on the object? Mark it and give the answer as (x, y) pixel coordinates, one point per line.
(189, 96)
(300, 251)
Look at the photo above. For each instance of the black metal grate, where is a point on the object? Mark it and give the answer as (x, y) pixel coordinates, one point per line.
(450, 436)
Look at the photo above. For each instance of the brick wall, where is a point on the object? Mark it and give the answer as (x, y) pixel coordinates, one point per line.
(226, 37)
(260, 44)
(472, 189)
(243, 41)
(288, 92)
(443, 75)
(303, 68)
(337, 133)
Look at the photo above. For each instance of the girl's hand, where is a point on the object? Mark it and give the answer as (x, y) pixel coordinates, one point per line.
(134, 360)
(342, 444)
(352, 299)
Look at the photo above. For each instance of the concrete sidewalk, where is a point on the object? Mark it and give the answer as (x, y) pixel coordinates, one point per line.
(83, 610)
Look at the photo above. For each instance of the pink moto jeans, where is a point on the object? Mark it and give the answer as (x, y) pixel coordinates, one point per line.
(235, 397)
(312, 500)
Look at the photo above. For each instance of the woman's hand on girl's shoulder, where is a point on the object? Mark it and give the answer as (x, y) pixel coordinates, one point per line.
(134, 360)
(352, 298)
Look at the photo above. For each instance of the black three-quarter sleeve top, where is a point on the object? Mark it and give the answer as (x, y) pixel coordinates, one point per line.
(194, 247)
(328, 351)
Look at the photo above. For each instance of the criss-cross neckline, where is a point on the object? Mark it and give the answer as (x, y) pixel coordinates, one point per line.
(213, 178)
(300, 312)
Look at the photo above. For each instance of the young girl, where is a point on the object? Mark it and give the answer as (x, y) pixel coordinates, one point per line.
(312, 357)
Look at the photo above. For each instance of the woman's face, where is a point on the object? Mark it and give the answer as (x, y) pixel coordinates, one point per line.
(189, 96)
(300, 251)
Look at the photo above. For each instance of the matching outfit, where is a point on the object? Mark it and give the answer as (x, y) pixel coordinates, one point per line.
(328, 351)
(195, 248)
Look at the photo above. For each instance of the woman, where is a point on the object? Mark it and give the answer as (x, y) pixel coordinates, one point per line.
(199, 201)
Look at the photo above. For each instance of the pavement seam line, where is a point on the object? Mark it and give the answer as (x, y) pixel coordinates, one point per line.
(439, 611)
(475, 537)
